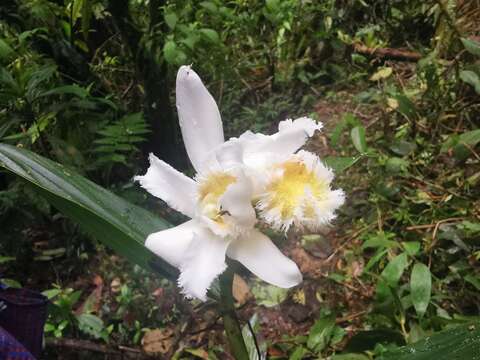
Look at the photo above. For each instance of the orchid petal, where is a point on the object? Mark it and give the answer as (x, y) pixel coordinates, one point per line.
(306, 124)
(172, 244)
(292, 135)
(200, 119)
(237, 201)
(259, 255)
(170, 185)
(202, 263)
(230, 154)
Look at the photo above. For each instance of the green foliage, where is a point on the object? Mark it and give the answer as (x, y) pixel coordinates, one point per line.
(118, 140)
(121, 225)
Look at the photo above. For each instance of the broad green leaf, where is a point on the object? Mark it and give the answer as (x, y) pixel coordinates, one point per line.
(458, 142)
(460, 343)
(402, 147)
(5, 49)
(340, 164)
(5, 259)
(396, 165)
(298, 353)
(375, 259)
(11, 283)
(268, 295)
(380, 240)
(473, 47)
(210, 6)
(171, 20)
(170, 52)
(411, 247)
(68, 89)
(358, 139)
(211, 35)
(390, 277)
(320, 333)
(109, 218)
(406, 107)
(473, 279)
(394, 270)
(471, 78)
(90, 324)
(420, 288)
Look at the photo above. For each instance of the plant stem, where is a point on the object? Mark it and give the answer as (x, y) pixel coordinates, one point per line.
(230, 320)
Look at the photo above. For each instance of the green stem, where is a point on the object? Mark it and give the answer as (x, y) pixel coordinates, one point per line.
(230, 320)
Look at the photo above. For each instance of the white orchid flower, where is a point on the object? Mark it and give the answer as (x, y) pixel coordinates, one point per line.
(219, 199)
(290, 187)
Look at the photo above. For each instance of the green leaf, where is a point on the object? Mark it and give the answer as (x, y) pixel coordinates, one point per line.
(4, 259)
(5, 49)
(394, 270)
(170, 52)
(380, 240)
(420, 288)
(473, 279)
(391, 276)
(340, 164)
(109, 218)
(11, 283)
(211, 35)
(298, 353)
(90, 324)
(411, 247)
(402, 147)
(396, 165)
(320, 333)
(405, 106)
(471, 46)
(471, 78)
(171, 20)
(459, 343)
(210, 6)
(68, 89)
(268, 295)
(358, 139)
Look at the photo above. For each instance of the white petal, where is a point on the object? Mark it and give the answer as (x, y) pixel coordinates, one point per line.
(237, 201)
(230, 154)
(199, 116)
(170, 185)
(203, 262)
(304, 123)
(172, 244)
(292, 135)
(259, 255)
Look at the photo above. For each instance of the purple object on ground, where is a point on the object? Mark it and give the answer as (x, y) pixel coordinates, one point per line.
(23, 314)
(11, 349)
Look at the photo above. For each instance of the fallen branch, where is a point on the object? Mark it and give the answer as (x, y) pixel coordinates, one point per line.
(387, 53)
(85, 345)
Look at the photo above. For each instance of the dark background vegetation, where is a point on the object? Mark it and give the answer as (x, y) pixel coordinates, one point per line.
(89, 84)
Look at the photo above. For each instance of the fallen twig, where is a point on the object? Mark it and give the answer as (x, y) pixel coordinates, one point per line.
(387, 53)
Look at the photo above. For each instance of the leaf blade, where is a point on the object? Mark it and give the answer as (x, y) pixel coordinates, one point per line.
(109, 218)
